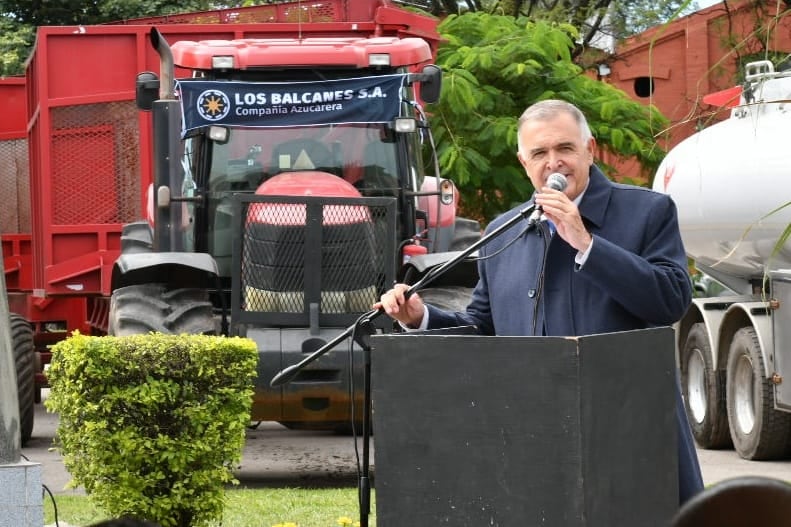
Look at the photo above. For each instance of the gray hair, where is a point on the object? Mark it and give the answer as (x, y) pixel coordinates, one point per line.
(549, 109)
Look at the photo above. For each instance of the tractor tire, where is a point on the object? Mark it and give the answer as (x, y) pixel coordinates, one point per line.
(759, 432)
(24, 352)
(137, 237)
(139, 309)
(449, 298)
(703, 389)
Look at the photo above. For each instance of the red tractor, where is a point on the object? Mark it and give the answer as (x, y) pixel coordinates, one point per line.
(289, 192)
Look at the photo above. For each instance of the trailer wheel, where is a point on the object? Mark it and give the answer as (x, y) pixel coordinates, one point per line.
(143, 308)
(759, 432)
(24, 352)
(450, 298)
(703, 388)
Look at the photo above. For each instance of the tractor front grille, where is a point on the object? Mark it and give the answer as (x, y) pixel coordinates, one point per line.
(303, 257)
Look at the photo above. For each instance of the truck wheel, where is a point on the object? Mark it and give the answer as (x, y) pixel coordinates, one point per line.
(25, 361)
(759, 432)
(143, 308)
(450, 298)
(703, 390)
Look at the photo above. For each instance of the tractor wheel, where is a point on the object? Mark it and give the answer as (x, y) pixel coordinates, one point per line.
(704, 391)
(143, 308)
(449, 298)
(759, 432)
(137, 237)
(25, 361)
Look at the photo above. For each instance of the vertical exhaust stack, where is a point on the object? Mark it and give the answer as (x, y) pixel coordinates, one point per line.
(166, 119)
(166, 68)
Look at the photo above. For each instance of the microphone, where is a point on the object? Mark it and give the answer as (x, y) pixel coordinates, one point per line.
(556, 181)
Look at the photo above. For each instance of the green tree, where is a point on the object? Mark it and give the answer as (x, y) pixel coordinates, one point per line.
(630, 17)
(15, 42)
(494, 67)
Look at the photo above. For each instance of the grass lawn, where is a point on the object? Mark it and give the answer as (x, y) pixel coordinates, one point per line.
(283, 507)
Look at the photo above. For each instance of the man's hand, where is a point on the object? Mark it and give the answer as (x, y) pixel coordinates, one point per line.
(566, 217)
(407, 311)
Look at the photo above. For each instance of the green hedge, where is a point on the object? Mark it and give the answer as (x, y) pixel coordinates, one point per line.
(152, 425)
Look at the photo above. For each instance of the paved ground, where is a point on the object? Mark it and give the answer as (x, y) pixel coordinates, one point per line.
(718, 465)
(273, 457)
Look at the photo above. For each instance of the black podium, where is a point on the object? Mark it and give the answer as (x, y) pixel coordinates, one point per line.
(525, 431)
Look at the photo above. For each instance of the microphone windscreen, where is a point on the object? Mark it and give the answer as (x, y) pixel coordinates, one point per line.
(557, 181)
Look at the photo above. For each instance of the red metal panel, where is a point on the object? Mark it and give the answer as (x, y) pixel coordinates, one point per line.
(14, 121)
(14, 187)
(18, 262)
(82, 256)
(58, 313)
(14, 173)
(38, 137)
(97, 64)
(85, 174)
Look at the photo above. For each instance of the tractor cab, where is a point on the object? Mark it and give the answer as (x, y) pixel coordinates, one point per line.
(345, 160)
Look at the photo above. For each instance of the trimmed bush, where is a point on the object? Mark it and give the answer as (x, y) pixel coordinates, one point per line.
(153, 425)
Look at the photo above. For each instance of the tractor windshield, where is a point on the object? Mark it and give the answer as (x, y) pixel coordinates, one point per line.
(363, 155)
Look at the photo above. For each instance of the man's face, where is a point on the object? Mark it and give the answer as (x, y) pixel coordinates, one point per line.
(556, 145)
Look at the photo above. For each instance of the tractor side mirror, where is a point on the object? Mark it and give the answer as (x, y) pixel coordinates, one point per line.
(430, 83)
(146, 90)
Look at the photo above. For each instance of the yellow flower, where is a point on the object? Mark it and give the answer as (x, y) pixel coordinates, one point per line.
(345, 521)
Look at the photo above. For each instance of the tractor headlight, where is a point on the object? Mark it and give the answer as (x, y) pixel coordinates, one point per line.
(222, 62)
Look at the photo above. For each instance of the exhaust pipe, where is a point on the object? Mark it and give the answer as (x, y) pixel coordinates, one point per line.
(166, 122)
(166, 68)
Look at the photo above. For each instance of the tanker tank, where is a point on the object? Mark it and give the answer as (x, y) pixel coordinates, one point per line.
(732, 184)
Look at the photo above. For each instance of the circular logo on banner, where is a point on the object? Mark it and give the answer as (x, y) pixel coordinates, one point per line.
(213, 105)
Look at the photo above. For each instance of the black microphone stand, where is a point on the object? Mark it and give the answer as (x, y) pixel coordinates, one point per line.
(364, 325)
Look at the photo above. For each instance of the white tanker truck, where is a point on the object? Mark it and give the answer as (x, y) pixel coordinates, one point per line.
(731, 183)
